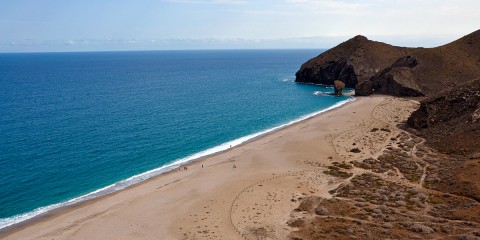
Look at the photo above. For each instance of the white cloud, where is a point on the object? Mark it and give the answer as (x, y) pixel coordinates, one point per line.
(271, 13)
(382, 17)
(232, 22)
(327, 4)
(208, 1)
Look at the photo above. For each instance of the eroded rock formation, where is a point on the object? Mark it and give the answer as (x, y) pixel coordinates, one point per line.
(338, 86)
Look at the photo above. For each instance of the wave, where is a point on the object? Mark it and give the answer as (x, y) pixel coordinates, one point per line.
(320, 93)
(6, 222)
(289, 79)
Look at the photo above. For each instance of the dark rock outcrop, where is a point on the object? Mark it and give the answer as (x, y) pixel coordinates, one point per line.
(370, 66)
(396, 81)
(449, 120)
(406, 62)
(329, 72)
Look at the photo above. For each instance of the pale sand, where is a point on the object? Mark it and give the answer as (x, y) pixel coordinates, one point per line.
(221, 202)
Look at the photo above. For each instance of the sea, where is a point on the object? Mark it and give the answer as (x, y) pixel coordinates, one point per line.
(75, 126)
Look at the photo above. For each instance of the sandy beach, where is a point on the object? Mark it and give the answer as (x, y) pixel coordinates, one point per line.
(245, 192)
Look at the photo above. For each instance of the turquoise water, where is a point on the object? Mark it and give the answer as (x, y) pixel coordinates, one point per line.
(77, 125)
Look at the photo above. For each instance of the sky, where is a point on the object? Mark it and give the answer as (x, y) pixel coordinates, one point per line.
(109, 25)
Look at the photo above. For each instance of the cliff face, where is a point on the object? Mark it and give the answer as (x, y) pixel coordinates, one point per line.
(351, 62)
(450, 120)
(370, 66)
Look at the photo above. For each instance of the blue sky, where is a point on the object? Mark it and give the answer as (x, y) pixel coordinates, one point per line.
(89, 25)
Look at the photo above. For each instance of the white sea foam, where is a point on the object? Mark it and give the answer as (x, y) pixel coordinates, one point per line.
(320, 93)
(5, 222)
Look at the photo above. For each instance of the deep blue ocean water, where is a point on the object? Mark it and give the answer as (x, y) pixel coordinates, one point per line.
(74, 123)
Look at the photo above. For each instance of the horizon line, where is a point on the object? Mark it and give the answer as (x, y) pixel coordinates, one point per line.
(165, 50)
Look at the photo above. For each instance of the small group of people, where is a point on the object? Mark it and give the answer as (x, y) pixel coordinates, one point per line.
(186, 168)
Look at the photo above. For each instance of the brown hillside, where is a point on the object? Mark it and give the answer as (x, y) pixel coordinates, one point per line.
(450, 120)
(400, 71)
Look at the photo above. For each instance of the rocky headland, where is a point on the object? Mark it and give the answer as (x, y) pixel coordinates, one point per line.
(370, 66)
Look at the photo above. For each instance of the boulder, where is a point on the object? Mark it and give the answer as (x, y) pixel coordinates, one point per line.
(364, 88)
(355, 150)
(321, 211)
(421, 228)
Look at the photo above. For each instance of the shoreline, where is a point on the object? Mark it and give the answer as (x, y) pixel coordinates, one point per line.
(170, 203)
(46, 211)
(350, 168)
